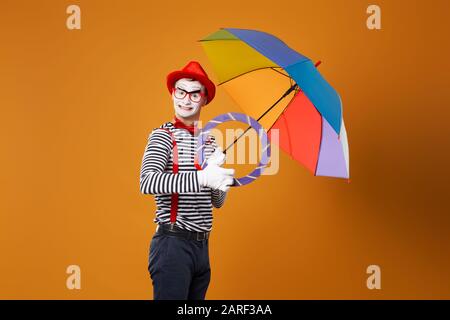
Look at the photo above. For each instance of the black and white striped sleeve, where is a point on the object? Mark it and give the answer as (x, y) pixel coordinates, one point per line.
(153, 179)
(217, 196)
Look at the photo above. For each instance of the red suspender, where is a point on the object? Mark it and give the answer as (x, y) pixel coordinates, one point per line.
(174, 202)
(197, 166)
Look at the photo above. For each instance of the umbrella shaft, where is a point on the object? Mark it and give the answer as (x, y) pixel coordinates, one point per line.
(281, 98)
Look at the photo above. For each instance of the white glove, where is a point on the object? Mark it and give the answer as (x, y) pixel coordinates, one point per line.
(213, 175)
(217, 157)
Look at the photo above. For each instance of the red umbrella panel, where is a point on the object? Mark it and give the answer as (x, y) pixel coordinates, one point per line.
(309, 139)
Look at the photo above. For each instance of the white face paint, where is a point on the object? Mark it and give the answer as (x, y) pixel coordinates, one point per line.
(185, 108)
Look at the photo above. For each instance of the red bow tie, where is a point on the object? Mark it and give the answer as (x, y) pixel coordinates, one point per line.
(180, 125)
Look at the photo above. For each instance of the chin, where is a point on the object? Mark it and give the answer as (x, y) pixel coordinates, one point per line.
(185, 116)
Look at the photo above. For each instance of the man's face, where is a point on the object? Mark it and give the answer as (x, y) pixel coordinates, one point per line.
(192, 90)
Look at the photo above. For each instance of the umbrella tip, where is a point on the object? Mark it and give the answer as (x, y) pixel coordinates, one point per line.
(318, 63)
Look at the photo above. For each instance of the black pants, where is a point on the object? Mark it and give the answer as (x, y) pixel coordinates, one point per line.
(179, 268)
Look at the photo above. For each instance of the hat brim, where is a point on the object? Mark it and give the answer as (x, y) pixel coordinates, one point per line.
(174, 76)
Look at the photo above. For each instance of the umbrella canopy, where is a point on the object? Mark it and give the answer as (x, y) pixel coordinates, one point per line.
(256, 69)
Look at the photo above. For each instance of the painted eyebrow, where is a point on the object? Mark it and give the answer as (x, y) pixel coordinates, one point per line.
(195, 91)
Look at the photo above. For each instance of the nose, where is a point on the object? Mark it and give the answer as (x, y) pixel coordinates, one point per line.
(187, 100)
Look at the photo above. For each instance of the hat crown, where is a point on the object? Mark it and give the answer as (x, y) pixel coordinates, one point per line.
(195, 67)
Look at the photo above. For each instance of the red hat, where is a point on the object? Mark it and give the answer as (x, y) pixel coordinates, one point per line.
(193, 70)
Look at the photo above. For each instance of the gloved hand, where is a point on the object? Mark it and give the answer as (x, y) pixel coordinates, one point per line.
(213, 175)
(217, 157)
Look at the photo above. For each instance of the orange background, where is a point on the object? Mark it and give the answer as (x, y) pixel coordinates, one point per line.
(77, 107)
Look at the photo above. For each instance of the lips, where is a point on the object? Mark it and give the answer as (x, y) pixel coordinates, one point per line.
(185, 108)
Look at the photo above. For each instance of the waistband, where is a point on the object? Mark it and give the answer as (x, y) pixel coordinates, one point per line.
(170, 229)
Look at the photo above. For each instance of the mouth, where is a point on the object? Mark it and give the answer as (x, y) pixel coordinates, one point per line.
(185, 108)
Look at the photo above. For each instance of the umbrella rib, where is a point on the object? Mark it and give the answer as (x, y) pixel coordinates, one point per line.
(281, 98)
(288, 134)
(297, 90)
(282, 112)
(281, 73)
(241, 74)
(260, 117)
(206, 40)
(320, 146)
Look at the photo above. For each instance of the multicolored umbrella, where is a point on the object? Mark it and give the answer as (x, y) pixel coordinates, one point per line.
(283, 90)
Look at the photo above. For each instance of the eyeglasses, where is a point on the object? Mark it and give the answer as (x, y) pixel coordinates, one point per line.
(194, 96)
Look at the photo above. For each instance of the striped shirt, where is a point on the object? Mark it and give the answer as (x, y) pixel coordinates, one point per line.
(157, 178)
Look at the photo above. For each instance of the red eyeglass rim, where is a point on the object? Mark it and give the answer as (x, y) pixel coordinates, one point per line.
(203, 94)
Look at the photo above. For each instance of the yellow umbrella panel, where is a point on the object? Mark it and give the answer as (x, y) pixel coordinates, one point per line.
(256, 83)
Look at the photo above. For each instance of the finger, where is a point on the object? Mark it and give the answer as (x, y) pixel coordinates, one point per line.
(215, 162)
(229, 182)
(224, 188)
(229, 172)
(226, 184)
(217, 158)
(221, 162)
